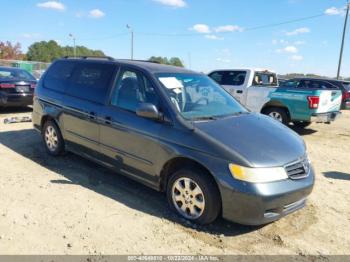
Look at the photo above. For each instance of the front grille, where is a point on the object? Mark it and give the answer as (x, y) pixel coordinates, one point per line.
(298, 169)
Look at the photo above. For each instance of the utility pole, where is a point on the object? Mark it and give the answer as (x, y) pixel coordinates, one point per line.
(132, 40)
(343, 39)
(74, 46)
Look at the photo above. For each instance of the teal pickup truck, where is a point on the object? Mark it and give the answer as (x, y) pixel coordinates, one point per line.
(258, 90)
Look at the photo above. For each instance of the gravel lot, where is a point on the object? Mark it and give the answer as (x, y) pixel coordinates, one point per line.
(69, 205)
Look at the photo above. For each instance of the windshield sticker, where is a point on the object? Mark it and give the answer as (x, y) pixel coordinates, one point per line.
(171, 82)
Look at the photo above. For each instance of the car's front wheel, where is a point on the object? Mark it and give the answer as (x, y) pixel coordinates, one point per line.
(194, 195)
(52, 138)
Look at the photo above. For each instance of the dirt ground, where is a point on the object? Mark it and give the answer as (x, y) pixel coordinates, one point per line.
(68, 205)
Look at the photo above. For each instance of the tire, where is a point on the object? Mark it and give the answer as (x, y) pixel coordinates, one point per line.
(196, 187)
(278, 113)
(52, 138)
(301, 124)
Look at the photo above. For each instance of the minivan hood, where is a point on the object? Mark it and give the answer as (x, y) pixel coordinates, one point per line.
(259, 139)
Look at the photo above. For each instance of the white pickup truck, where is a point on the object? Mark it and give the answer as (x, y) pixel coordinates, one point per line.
(259, 91)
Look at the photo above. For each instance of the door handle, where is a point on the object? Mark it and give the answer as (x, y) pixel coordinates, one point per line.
(108, 120)
(239, 91)
(92, 115)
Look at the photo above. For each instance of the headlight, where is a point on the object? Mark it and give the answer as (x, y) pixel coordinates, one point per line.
(258, 175)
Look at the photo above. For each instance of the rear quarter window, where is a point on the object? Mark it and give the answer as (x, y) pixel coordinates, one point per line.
(58, 75)
(91, 81)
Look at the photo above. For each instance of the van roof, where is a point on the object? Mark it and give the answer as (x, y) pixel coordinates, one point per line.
(245, 69)
(150, 66)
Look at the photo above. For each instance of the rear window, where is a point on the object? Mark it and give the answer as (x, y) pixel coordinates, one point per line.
(58, 75)
(91, 81)
(265, 79)
(15, 74)
(346, 86)
(230, 78)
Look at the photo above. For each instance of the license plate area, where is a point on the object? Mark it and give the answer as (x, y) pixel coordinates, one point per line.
(22, 89)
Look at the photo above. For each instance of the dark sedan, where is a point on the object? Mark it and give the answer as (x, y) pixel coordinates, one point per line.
(16, 87)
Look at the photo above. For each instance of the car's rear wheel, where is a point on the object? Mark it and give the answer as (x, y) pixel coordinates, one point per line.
(52, 138)
(278, 113)
(194, 196)
(301, 124)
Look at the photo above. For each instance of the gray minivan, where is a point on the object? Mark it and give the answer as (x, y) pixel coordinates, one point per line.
(178, 132)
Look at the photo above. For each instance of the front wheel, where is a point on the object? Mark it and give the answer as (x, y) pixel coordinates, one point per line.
(301, 124)
(278, 113)
(194, 196)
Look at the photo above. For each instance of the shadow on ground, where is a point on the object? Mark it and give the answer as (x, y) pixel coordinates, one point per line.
(337, 175)
(15, 110)
(77, 170)
(303, 131)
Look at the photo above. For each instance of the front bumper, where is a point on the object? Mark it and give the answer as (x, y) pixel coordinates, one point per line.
(16, 99)
(257, 204)
(325, 117)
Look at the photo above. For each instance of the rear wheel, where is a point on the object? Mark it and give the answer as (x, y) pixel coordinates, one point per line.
(277, 113)
(301, 124)
(194, 196)
(52, 138)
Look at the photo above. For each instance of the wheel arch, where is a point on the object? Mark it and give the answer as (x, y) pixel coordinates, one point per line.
(275, 103)
(180, 162)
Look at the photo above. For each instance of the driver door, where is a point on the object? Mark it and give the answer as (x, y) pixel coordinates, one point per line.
(129, 141)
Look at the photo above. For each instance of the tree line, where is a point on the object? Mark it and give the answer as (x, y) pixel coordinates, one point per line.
(47, 51)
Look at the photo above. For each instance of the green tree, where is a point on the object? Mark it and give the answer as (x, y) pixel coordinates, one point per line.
(10, 51)
(174, 61)
(48, 51)
(44, 51)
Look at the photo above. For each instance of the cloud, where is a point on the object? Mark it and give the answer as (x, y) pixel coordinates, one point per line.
(288, 49)
(335, 11)
(228, 28)
(291, 49)
(31, 35)
(201, 28)
(52, 5)
(297, 57)
(213, 37)
(303, 30)
(96, 13)
(172, 3)
(223, 60)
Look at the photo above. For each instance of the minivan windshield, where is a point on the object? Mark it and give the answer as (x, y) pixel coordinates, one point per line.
(197, 97)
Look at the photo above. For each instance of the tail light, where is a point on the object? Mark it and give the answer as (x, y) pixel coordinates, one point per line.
(33, 86)
(313, 101)
(4, 85)
(346, 96)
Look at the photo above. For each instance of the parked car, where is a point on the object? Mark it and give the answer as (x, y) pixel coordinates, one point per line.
(318, 83)
(259, 91)
(178, 132)
(16, 87)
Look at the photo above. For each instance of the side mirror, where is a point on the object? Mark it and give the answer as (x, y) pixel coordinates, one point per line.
(149, 111)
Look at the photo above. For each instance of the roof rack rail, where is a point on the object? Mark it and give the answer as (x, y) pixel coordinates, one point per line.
(90, 57)
(138, 60)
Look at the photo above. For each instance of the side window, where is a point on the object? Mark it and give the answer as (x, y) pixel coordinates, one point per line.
(132, 89)
(291, 84)
(217, 77)
(58, 75)
(91, 81)
(265, 79)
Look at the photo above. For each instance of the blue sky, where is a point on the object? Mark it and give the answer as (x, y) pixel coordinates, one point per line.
(205, 34)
